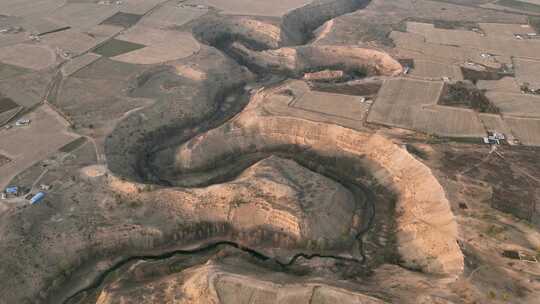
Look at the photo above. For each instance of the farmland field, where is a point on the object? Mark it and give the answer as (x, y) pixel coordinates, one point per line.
(122, 19)
(73, 41)
(344, 106)
(4, 160)
(162, 45)
(529, 5)
(169, 15)
(115, 47)
(30, 56)
(516, 104)
(7, 104)
(528, 71)
(494, 123)
(412, 104)
(255, 7)
(46, 133)
(526, 130)
(435, 70)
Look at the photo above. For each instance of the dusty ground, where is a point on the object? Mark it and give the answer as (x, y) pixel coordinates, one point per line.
(187, 157)
(45, 123)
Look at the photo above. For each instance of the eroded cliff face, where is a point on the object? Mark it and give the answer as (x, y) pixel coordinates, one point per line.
(426, 230)
(274, 203)
(211, 283)
(261, 34)
(296, 60)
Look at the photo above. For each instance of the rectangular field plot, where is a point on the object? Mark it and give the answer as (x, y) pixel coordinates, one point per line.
(525, 129)
(6, 116)
(171, 15)
(528, 71)
(30, 7)
(72, 41)
(139, 7)
(83, 15)
(448, 121)
(42, 26)
(461, 45)
(502, 30)
(8, 71)
(7, 104)
(506, 84)
(414, 46)
(409, 92)
(523, 5)
(436, 70)
(115, 47)
(27, 145)
(4, 160)
(495, 123)
(344, 106)
(516, 104)
(28, 56)
(253, 7)
(122, 19)
(412, 104)
(27, 90)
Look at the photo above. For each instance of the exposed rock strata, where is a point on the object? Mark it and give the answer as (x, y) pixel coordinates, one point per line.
(275, 195)
(295, 60)
(210, 283)
(427, 230)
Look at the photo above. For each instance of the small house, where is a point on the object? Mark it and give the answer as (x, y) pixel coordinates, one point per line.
(13, 190)
(37, 198)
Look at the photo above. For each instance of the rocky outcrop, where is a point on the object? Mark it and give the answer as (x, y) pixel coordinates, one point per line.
(258, 34)
(293, 205)
(296, 60)
(188, 93)
(298, 24)
(211, 283)
(326, 75)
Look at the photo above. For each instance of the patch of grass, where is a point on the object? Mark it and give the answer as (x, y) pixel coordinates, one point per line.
(7, 104)
(442, 23)
(494, 230)
(73, 145)
(519, 5)
(465, 140)
(122, 19)
(416, 151)
(433, 139)
(135, 204)
(463, 94)
(115, 47)
(534, 22)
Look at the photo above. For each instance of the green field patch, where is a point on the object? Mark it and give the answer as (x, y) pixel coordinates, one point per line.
(535, 23)
(7, 104)
(75, 144)
(4, 160)
(519, 5)
(115, 47)
(122, 19)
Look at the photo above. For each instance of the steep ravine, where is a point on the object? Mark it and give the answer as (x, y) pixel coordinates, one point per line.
(295, 29)
(363, 196)
(99, 280)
